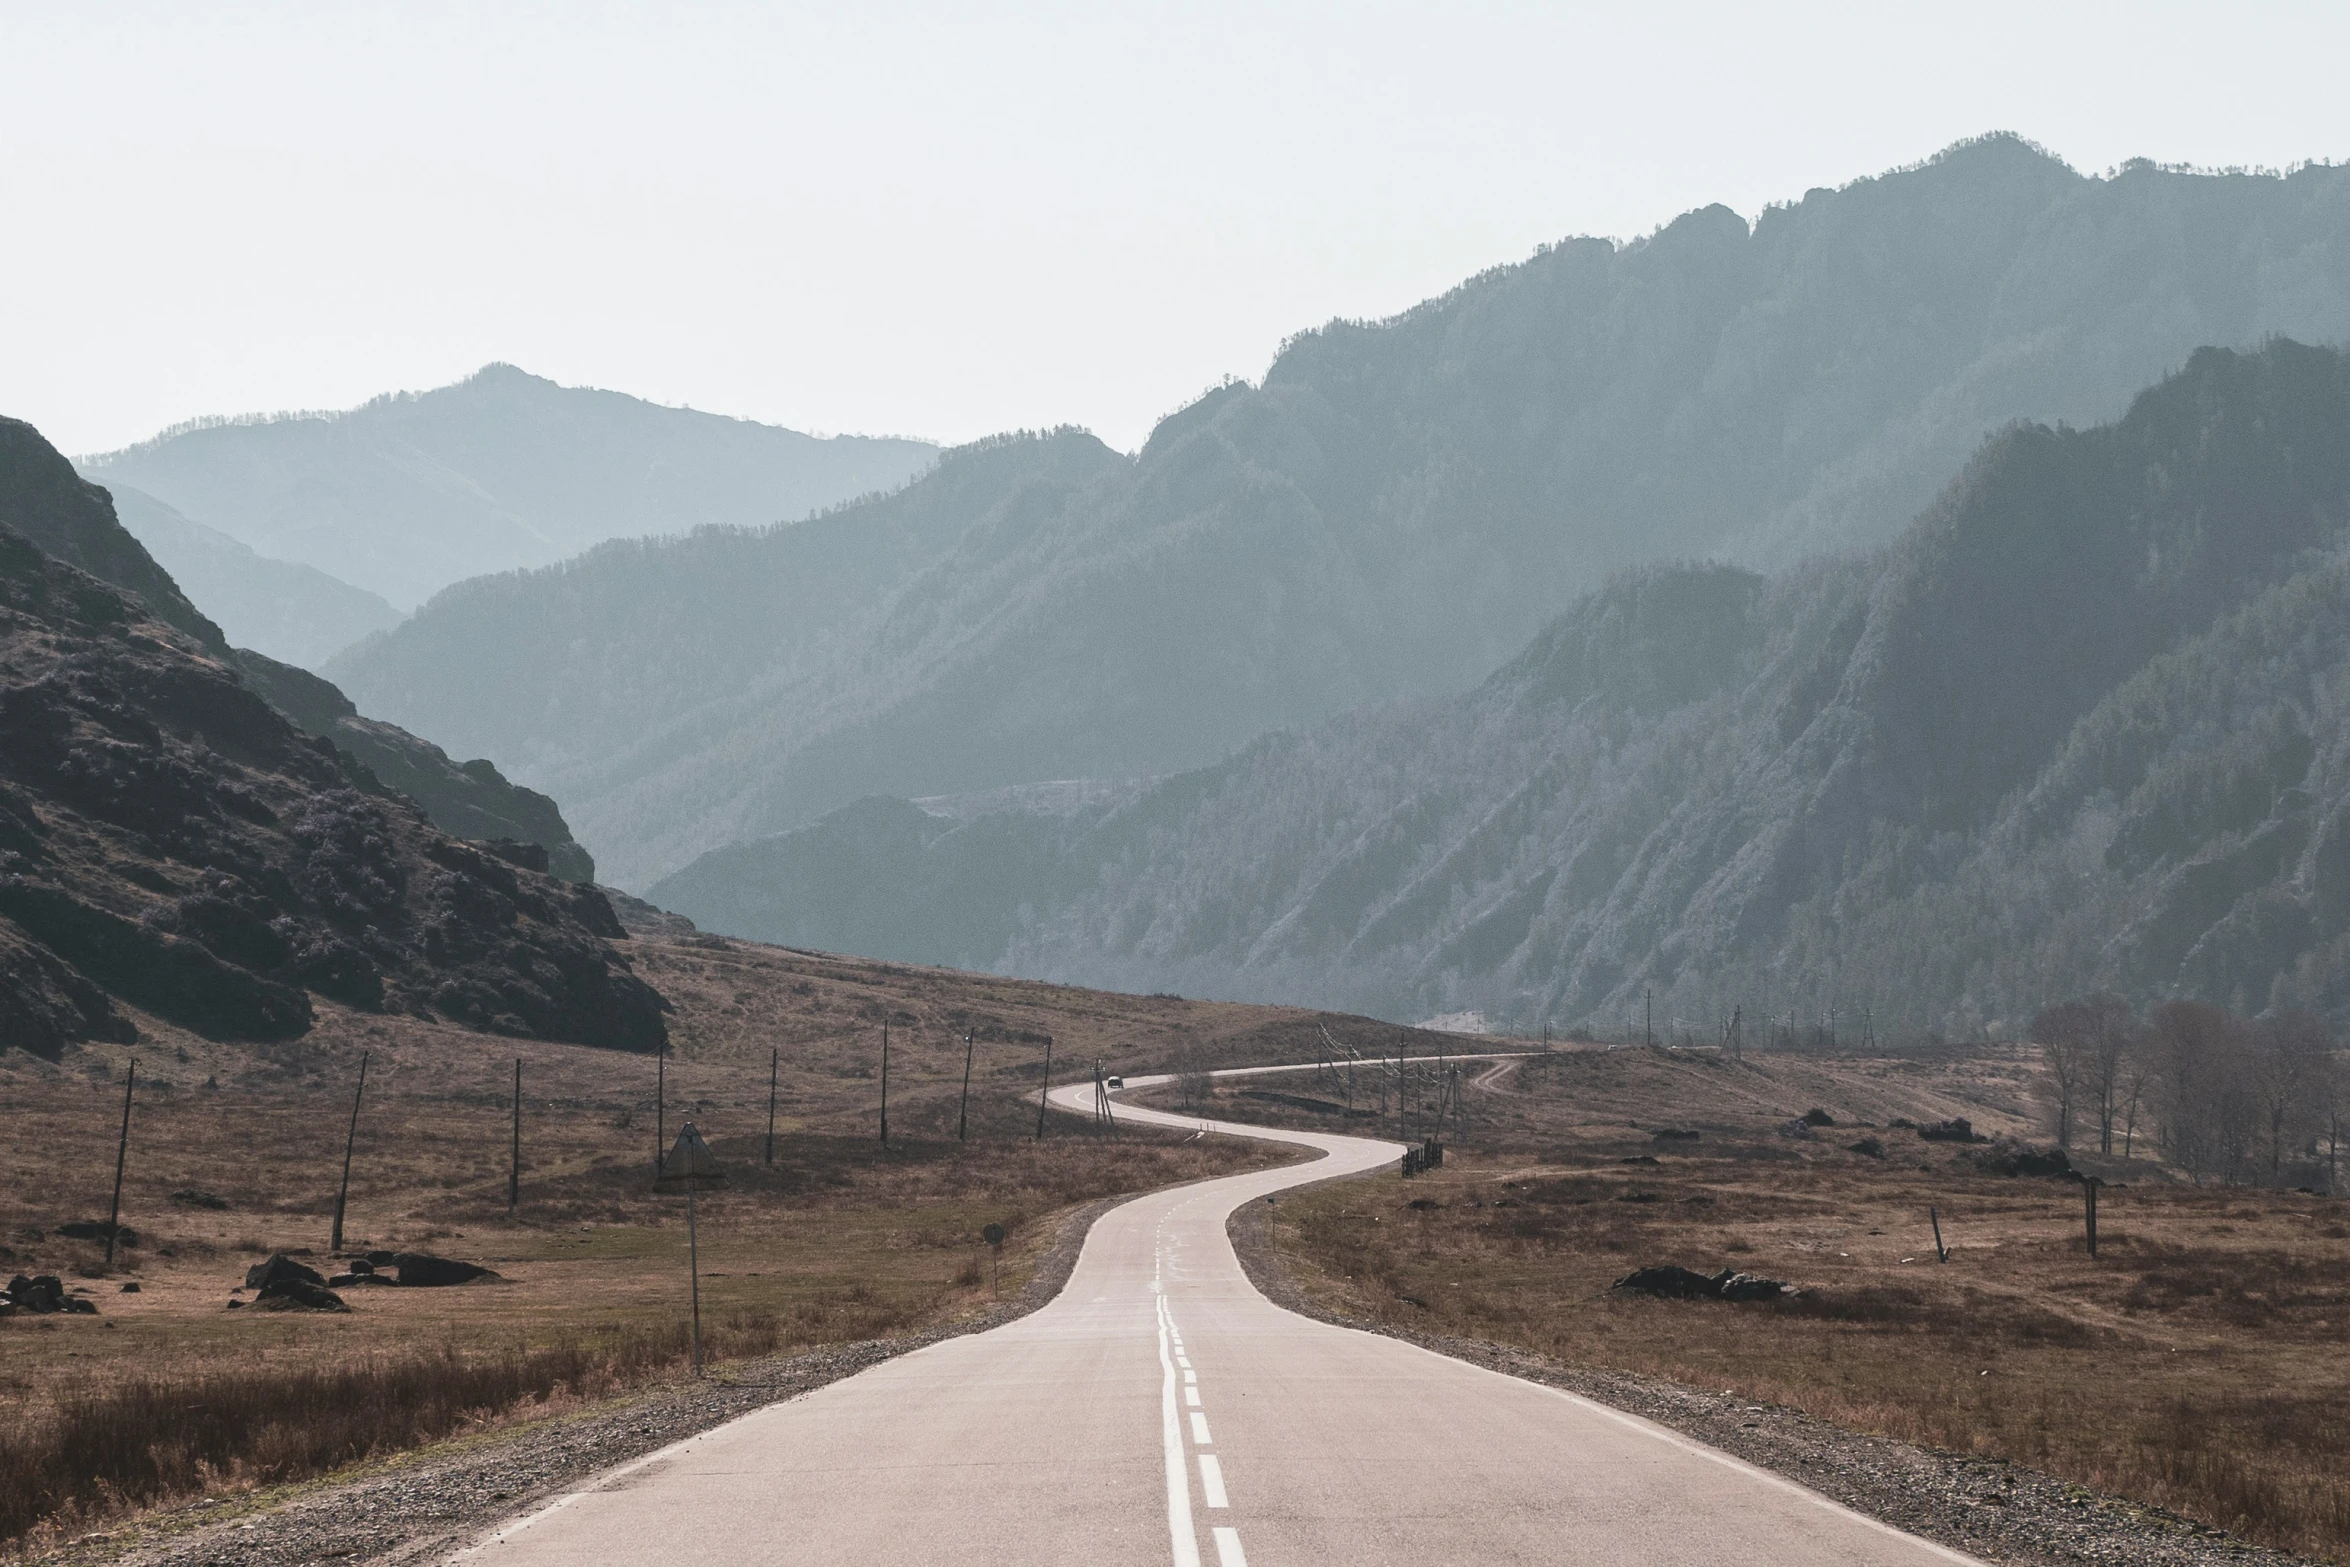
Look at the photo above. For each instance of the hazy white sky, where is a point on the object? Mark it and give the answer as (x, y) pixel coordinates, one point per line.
(949, 220)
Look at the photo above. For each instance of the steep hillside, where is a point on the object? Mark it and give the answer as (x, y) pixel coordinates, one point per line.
(169, 842)
(414, 491)
(77, 522)
(1399, 506)
(290, 612)
(46, 501)
(463, 799)
(2081, 726)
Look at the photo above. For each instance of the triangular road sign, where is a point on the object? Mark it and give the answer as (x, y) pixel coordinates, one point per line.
(690, 1164)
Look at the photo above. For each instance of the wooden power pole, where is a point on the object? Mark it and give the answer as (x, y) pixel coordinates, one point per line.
(122, 1148)
(774, 1060)
(963, 1111)
(351, 1136)
(514, 1162)
(1044, 1093)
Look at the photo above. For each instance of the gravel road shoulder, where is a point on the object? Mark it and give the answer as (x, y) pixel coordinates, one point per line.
(1996, 1511)
(417, 1507)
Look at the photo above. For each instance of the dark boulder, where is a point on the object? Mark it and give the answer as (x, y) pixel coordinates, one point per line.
(96, 1230)
(2054, 1164)
(293, 1294)
(417, 1269)
(279, 1268)
(1868, 1147)
(39, 1295)
(1816, 1116)
(1955, 1130)
(1749, 1286)
(1668, 1281)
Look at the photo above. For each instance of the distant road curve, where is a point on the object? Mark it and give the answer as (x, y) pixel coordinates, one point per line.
(1160, 1410)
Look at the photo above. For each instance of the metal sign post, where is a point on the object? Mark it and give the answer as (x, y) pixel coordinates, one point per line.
(691, 1165)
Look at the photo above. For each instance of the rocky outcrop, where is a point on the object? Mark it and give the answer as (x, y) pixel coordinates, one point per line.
(464, 799)
(69, 517)
(169, 840)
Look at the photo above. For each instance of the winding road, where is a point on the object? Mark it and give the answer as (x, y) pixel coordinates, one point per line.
(1161, 1410)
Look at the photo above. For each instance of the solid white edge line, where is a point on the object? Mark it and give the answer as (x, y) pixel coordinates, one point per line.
(1180, 1535)
(1228, 1552)
(1211, 1480)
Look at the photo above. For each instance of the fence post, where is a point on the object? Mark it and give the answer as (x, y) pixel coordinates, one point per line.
(2089, 1187)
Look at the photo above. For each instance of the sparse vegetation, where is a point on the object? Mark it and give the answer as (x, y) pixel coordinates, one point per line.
(166, 1393)
(2200, 1363)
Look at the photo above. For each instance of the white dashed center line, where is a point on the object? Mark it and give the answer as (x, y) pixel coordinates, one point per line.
(1211, 1480)
(1183, 1535)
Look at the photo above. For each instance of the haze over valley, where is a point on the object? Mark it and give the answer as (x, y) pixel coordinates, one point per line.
(1066, 784)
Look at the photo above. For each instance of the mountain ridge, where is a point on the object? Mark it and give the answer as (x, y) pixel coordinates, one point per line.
(412, 491)
(1397, 507)
(2081, 726)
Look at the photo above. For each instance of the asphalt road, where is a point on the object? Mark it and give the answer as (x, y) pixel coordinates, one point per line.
(1161, 1411)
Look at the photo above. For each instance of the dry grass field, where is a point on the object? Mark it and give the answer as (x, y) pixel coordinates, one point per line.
(2199, 1363)
(236, 1150)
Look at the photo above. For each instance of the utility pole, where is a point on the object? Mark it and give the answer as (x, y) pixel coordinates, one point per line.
(774, 1056)
(342, 1196)
(1648, 1024)
(963, 1111)
(1044, 1093)
(514, 1163)
(885, 1085)
(122, 1148)
(661, 1109)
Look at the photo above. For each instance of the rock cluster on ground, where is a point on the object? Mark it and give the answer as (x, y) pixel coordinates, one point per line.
(1672, 1282)
(42, 1295)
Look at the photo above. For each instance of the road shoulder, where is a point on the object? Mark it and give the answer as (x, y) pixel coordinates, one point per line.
(420, 1506)
(1998, 1511)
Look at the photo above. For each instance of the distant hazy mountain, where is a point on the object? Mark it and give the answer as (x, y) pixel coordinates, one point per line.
(414, 491)
(296, 614)
(2082, 725)
(1398, 507)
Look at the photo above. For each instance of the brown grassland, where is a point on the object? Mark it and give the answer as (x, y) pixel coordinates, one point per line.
(2200, 1363)
(168, 1392)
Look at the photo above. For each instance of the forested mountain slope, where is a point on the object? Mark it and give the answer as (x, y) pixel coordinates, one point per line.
(1399, 506)
(2087, 723)
(414, 491)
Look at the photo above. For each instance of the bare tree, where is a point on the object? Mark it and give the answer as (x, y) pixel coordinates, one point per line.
(2067, 1035)
(2291, 1052)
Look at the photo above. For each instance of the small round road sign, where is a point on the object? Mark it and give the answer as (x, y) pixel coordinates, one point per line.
(993, 1235)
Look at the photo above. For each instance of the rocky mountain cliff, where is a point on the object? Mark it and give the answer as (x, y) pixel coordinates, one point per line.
(503, 470)
(2081, 726)
(1392, 512)
(172, 843)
